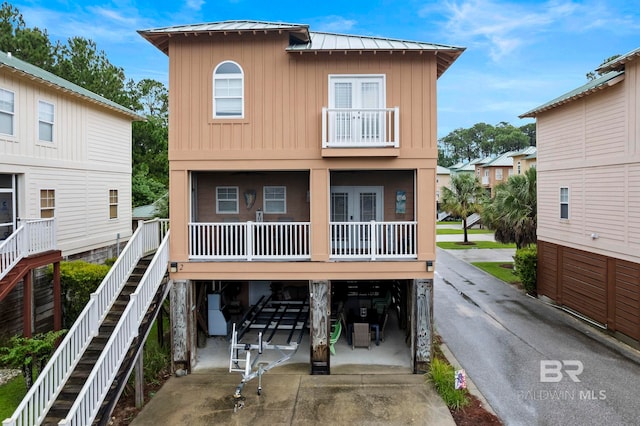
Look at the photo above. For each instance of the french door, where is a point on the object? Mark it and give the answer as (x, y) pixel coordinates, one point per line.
(356, 106)
(357, 204)
(8, 216)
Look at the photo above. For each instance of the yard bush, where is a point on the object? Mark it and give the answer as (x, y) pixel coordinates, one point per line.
(78, 280)
(442, 375)
(526, 263)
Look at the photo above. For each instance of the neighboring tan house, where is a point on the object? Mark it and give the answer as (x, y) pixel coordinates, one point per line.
(523, 160)
(302, 161)
(65, 157)
(495, 171)
(443, 180)
(588, 180)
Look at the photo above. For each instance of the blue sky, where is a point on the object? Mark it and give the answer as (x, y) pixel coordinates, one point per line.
(520, 54)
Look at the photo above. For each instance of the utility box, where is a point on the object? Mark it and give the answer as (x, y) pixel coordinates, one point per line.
(217, 321)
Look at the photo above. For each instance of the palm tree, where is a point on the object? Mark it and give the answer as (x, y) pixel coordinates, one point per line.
(464, 198)
(513, 212)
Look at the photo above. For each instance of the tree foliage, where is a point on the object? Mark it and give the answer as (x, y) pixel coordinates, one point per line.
(483, 140)
(513, 211)
(592, 75)
(463, 198)
(81, 62)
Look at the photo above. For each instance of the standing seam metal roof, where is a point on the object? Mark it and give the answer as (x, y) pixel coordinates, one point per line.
(600, 83)
(302, 40)
(25, 68)
(618, 63)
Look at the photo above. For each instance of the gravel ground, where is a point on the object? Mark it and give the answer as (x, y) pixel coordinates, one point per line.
(6, 375)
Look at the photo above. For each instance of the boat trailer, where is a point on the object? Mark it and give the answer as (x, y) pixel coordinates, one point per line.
(270, 318)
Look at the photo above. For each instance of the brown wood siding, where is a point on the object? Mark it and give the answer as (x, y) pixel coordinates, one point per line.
(284, 96)
(584, 281)
(627, 298)
(547, 270)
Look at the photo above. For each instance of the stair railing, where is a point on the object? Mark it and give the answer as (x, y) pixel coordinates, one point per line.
(90, 398)
(50, 381)
(31, 237)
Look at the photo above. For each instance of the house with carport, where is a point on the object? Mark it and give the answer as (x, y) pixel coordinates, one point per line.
(302, 179)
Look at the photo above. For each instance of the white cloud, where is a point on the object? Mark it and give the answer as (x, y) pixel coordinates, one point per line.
(505, 27)
(195, 4)
(335, 24)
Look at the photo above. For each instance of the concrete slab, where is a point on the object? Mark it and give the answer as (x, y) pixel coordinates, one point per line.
(291, 396)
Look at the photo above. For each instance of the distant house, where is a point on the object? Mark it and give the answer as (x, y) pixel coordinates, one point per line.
(495, 171)
(301, 160)
(65, 155)
(588, 167)
(443, 180)
(524, 159)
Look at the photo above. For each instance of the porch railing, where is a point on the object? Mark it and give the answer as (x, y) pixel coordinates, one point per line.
(373, 240)
(360, 128)
(249, 241)
(38, 400)
(31, 237)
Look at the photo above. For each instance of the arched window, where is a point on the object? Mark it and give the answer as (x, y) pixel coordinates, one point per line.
(228, 91)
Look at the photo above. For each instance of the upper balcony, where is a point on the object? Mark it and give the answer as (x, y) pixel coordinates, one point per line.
(356, 128)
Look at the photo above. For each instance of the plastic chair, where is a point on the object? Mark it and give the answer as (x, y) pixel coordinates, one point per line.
(335, 335)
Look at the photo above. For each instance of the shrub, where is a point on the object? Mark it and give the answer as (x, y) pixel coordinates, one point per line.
(526, 264)
(78, 280)
(442, 375)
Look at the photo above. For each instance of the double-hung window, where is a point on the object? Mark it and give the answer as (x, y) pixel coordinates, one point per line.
(498, 174)
(275, 199)
(228, 91)
(227, 200)
(47, 203)
(7, 111)
(45, 121)
(113, 204)
(564, 203)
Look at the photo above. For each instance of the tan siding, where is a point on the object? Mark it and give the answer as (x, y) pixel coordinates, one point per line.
(549, 222)
(284, 96)
(605, 202)
(560, 135)
(633, 212)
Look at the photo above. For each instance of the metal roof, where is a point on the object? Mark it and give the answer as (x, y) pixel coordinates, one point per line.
(443, 171)
(301, 40)
(527, 151)
(600, 83)
(618, 63)
(15, 65)
(503, 160)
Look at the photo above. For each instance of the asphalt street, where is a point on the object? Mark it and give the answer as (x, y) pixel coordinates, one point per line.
(534, 363)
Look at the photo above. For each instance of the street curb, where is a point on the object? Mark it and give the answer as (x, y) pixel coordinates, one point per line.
(471, 387)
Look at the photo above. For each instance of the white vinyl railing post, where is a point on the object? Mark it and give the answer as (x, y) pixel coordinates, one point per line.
(249, 240)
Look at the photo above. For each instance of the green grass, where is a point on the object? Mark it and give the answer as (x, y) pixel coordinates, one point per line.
(452, 245)
(449, 222)
(11, 393)
(447, 231)
(496, 269)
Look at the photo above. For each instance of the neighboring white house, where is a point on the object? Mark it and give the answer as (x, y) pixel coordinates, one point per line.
(65, 152)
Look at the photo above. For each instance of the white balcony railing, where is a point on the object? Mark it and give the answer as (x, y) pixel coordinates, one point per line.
(373, 240)
(31, 237)
(360, 128)
(249, 241)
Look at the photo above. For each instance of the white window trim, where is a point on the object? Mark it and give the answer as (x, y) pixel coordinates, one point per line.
(52, 123)
(11, 113)
(43, 208)
(499, 174)
(111, 204)
(333, 78)
(237, 200)
(565, 202)
(264, 200)
(242, 96)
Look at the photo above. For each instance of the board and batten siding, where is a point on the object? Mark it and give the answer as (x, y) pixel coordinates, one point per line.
(284, 96)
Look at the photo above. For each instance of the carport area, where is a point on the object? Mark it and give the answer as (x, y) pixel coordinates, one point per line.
(275, 310)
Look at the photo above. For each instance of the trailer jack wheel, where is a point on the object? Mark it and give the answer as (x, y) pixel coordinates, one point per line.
(238, 402)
